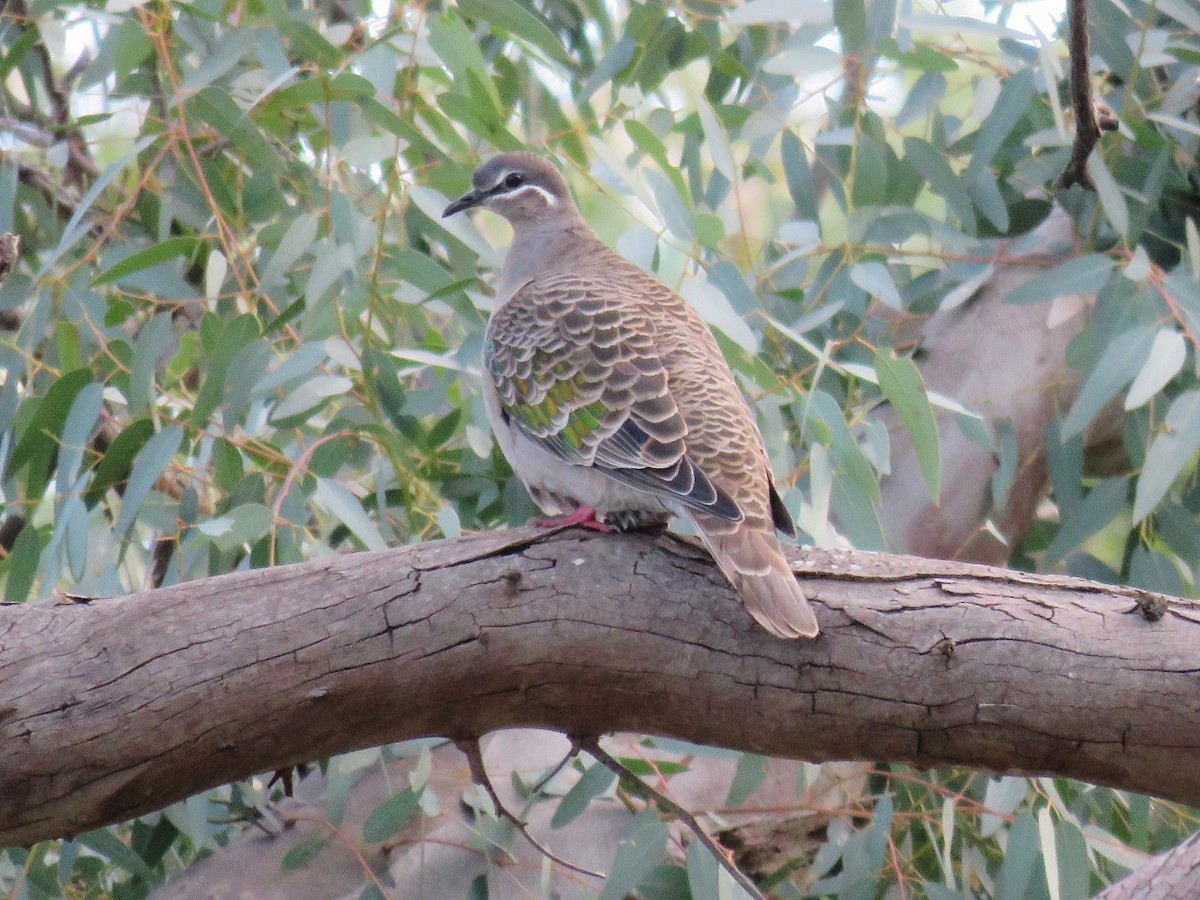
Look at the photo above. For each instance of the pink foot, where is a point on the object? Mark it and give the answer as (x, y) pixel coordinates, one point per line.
(584, 516)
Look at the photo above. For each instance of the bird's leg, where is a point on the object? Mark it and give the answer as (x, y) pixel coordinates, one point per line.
(584, 516)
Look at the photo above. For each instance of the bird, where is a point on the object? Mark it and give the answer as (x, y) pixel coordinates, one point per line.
(611, 400)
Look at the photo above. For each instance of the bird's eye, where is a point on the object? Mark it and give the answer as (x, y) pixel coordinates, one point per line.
(514, 180)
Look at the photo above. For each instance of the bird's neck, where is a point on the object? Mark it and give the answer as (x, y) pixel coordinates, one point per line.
(541, 247)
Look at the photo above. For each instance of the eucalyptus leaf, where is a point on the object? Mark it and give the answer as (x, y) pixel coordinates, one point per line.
(1173, 448)
(1117, 366)
(1164, 361)
(643, 847)
(153, 459)
(901, 383)
(1082, 275)
(596, 780)
(390, 816)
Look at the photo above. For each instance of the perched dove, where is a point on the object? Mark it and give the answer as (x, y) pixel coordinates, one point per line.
(610, 397)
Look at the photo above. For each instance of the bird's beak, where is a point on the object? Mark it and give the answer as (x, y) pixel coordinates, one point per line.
(466, 201)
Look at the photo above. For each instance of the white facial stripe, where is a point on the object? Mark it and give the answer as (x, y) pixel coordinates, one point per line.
(550, 199)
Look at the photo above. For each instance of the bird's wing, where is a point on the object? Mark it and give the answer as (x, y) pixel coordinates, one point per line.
(578, 372)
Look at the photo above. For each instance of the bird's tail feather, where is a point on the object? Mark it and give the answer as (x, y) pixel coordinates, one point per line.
(754, 563)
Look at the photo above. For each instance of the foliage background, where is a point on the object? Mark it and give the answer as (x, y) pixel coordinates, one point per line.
(241, 335)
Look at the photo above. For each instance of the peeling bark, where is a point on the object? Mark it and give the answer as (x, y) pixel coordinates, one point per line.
(112, 708)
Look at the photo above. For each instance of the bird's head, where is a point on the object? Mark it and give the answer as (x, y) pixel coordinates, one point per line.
(521, 186)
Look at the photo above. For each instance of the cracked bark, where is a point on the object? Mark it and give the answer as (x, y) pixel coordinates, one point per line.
(112, 708)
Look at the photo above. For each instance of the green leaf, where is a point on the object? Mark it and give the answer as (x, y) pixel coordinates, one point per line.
(1174, 447)
(520, 22)
(642, 849)
(594, 782)
(1167, 356)
(85, 410)
(1049, 852)
(147, 350)
(478, 889)
(303, 852)
(1020, 857)
(348, 510)
(1007, 459)
(214, 106)
(874, 278)
(1010, 106)
(751, 771)
(1082, 275)
(671, 206)
(77, 227)
(716, 142)
(244, 524)
(985, 192)
(931, 164)
(901, 383)
(386, 820)
(703, 873)
(23, 562)
(297, 241)
(1111, 199)
(1083, 519)
(39, 441)
(115, 850)
(1073, 865)
(851, 19)
(799, 176)
(222, 342)
(153, 459)
(16, 51)
(118, 459)
(1116, 367)
(150, 256)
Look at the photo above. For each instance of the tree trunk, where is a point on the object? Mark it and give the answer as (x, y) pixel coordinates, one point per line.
(112, 708)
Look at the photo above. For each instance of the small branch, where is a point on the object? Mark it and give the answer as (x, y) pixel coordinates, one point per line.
(479, 775)
(1087, 122)
(80, 165)
(666, 804)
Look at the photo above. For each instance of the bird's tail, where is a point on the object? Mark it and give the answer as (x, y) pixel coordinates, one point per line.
(753, 562)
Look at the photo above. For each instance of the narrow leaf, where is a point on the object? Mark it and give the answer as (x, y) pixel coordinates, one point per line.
(520, 22)
(643, 848)
(390, 816)
(1010, 106)
(1049, 852)
(1173, 448)
(901, 383)
(594, 782)
(1166, 358)
(349, 511)
(716, 141)
(303, 852)
(1082, 275)
(1117, 366)
(150, 464)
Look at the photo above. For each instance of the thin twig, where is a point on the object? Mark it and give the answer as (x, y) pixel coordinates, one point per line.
(1087, 129)
(666, 804)
(553, 773)
(479, 775)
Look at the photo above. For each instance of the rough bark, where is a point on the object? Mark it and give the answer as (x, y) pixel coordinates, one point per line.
(1174, 875)
(112, 708)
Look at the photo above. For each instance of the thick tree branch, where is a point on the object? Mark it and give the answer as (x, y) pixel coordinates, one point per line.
(112, 708)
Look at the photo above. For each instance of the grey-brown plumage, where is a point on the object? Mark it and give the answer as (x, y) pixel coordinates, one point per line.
(607, 390)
